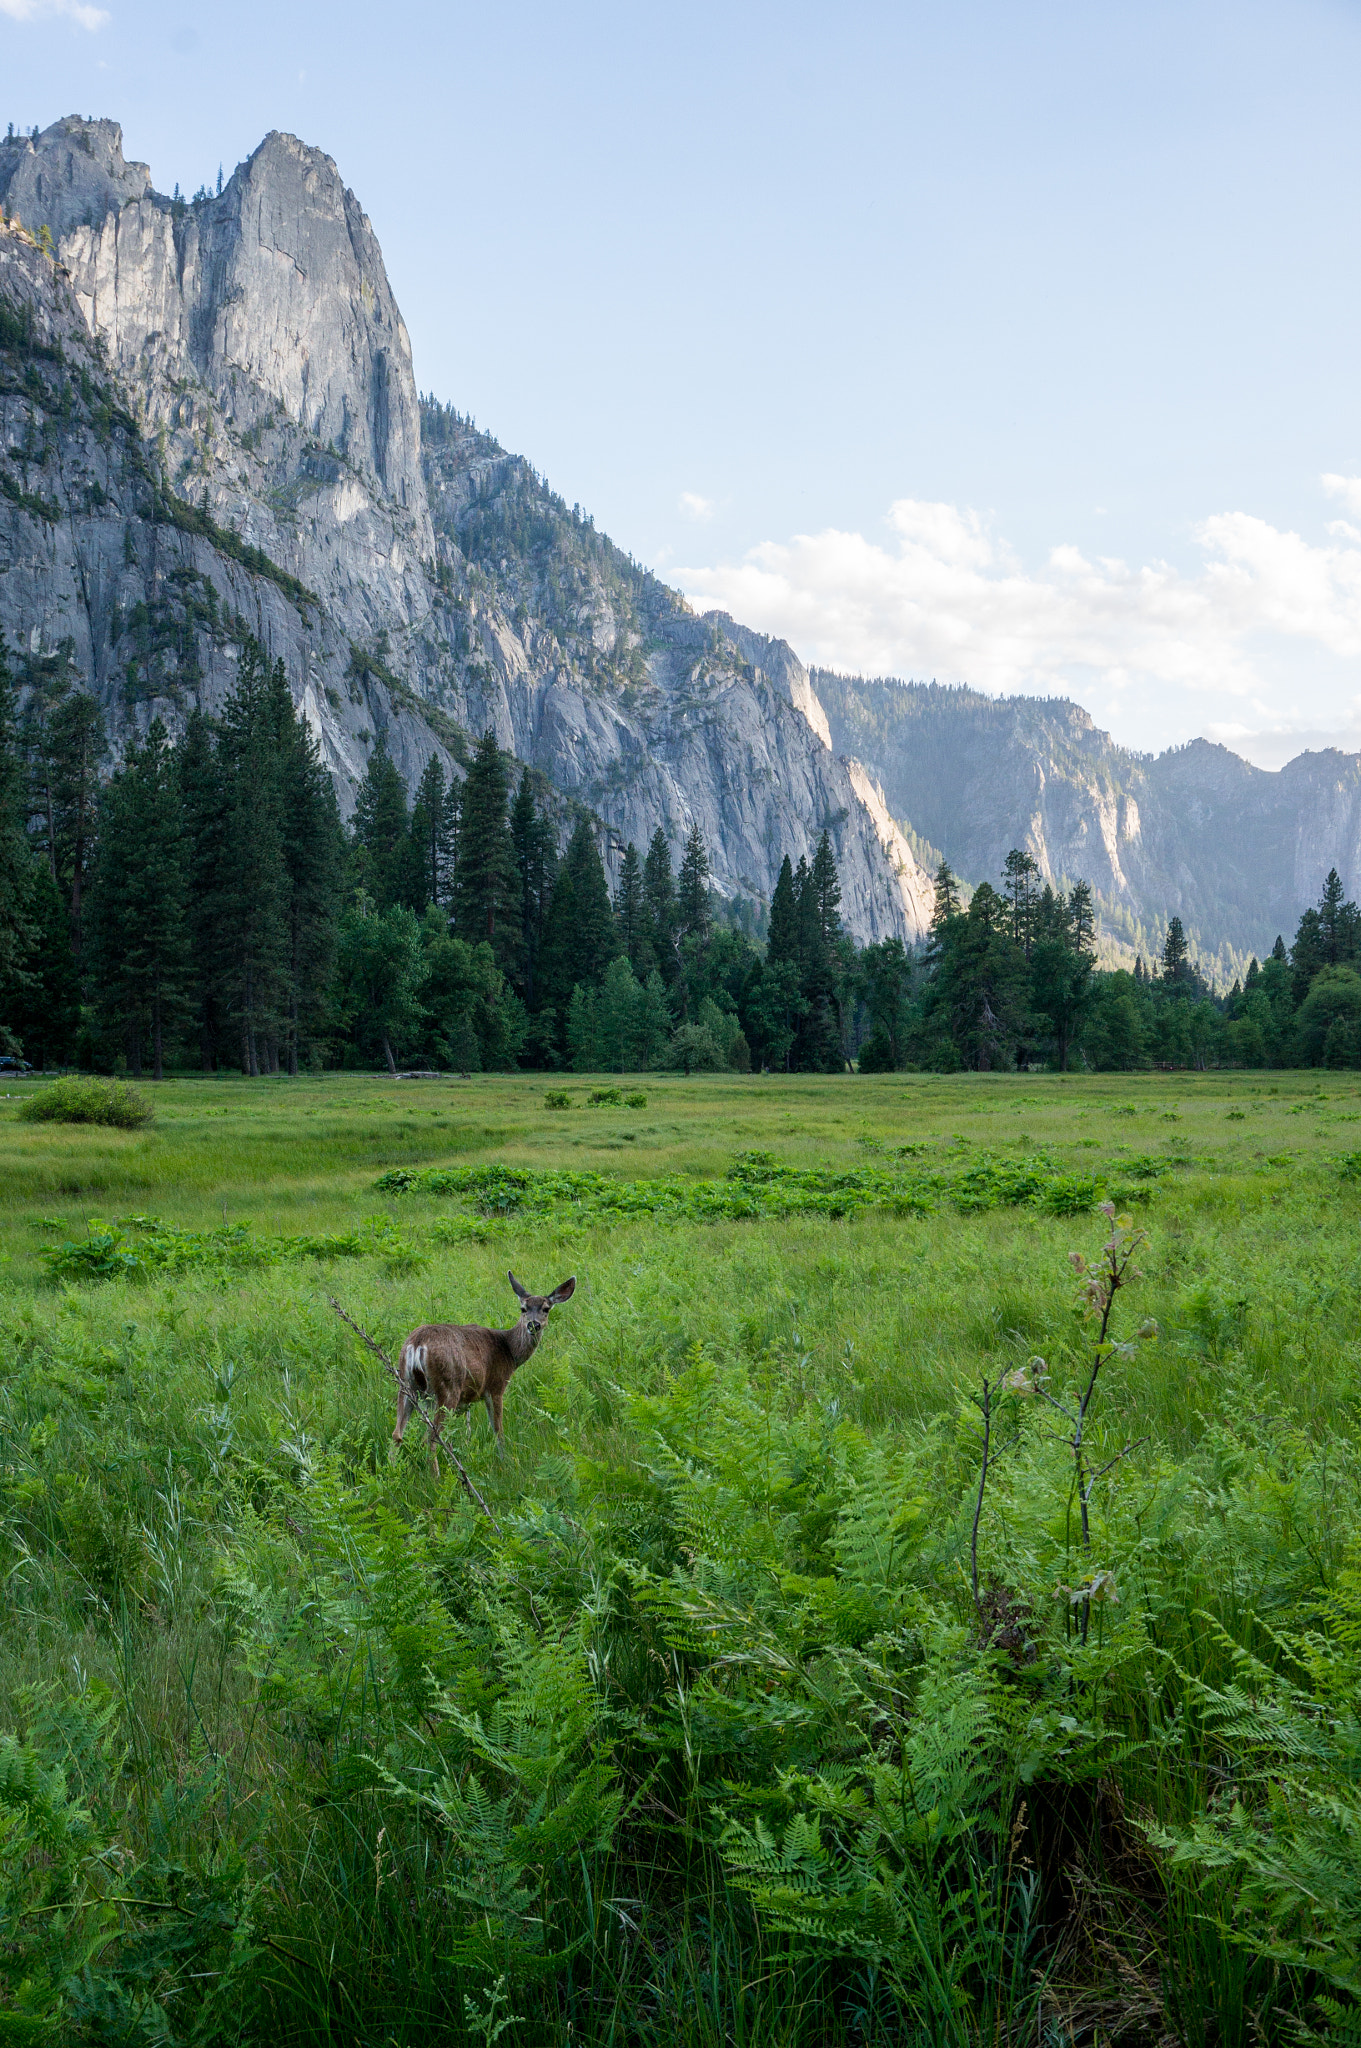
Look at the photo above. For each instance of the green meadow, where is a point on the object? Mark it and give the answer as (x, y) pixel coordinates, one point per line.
(737, 1709)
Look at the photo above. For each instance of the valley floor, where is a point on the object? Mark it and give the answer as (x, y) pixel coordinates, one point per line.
(713, 1726)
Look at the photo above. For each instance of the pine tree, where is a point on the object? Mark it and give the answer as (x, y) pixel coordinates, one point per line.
(580, 940)
(139, 922)
(312, 845)
(782, 937)
(692, 894)
(252, 887)
(659, 901)
(487, 884)
(382, 831)
(535, 851)
(1020, 873)
(1081, 918)
(1176, 955)
(827, 892)
(203, 811)
(817, 1044)
(427, 831)
(65, 744)
(947, 898)
(629, 906)
(15, 859)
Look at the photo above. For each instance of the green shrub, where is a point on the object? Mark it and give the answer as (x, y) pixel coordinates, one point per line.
(85, 1099)
(637, 1100)
(557, 1098)
(606, 1098)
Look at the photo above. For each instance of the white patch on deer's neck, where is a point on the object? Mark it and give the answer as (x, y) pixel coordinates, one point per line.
(523, 1338)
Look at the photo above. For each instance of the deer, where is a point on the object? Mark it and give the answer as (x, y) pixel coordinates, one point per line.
(459, 1364)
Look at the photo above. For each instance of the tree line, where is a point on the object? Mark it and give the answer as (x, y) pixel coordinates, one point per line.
(204, 906)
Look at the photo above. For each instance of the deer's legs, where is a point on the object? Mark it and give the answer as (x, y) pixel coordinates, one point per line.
(436, 1425)
(493, 1402)
(405, 1404)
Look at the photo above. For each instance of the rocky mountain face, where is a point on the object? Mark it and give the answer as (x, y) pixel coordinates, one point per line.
(210, 427)
(1235, 851)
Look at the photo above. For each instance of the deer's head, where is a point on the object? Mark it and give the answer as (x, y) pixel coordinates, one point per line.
(536, 1308)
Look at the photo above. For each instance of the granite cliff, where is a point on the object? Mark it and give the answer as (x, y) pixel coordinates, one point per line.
(217, 431)
(1235, 851)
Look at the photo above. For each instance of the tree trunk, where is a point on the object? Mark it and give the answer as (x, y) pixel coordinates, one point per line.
(392, 1064)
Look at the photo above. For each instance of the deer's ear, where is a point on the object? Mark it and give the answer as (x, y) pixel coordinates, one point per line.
(565, 1292)
(516, 1285)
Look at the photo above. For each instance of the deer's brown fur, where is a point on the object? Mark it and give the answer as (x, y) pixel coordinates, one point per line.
(455, 1365)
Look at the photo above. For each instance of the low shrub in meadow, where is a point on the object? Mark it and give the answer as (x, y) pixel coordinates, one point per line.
(87, 1099)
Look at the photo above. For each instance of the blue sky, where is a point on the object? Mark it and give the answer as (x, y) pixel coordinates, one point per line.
(1009, 343)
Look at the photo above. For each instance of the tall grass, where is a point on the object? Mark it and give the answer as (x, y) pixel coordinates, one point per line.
(705, 1739)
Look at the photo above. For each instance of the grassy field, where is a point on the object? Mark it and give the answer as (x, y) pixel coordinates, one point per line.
(702, 1733)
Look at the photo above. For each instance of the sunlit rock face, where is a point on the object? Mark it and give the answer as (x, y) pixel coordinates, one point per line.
(246, 454)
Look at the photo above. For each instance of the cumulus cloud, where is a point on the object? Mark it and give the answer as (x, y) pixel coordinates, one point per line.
(47, 10)
(944, 596)
(695, 507)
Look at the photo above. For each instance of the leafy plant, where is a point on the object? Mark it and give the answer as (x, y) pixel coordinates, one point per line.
(84, 1099)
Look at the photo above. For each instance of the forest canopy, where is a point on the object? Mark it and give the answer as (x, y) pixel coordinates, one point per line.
(201, 905)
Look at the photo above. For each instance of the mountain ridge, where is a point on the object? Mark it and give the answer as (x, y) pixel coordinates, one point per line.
(1234, 850)
(257, 458)
(260, 353)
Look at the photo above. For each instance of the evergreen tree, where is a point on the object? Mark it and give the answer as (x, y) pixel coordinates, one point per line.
(580, 939)
(947, 897)
(251, 894)
(382, 831)
(818, 1047)
(77, 742)
(692, 894)
(203, 812)
(659, 899)
(40, 1003)
(1061, 989)
(1081, 918)
(487, 886)
(15, 860)
(1338, 922)
(1020, 874)
(312, 846)
(65, 742)
(1176, 956)
(827, 891)
(139, 916)
(629, 907)
(534, 848)
(782, 938)
(885, 980)
(429, 857)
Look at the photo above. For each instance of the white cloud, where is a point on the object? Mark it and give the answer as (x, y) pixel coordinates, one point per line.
(1269, 624)
(695, 507)
(84, 16)
(1348, 488)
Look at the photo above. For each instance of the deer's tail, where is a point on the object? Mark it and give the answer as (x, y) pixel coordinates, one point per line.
(413, 1369)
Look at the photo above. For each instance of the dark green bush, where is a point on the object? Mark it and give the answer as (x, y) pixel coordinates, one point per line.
(85, 1099)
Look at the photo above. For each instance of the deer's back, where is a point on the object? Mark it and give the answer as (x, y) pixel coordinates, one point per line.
(458, 1359)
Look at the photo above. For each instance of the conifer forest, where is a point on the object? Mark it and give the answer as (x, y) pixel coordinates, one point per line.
(201, 908)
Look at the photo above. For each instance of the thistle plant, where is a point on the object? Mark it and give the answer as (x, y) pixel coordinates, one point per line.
(1101, 1280)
